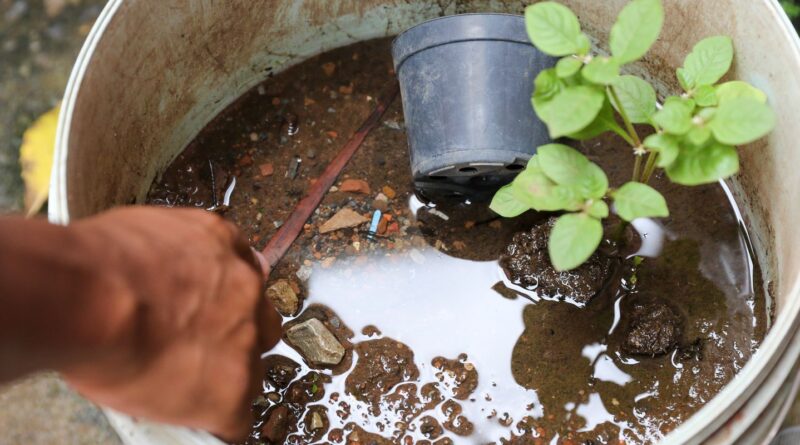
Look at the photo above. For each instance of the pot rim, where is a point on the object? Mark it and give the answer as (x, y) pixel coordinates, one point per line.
(721, 413)
(407, 44)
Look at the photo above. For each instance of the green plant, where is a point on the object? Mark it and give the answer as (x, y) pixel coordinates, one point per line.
(791, 8)
(691, 136)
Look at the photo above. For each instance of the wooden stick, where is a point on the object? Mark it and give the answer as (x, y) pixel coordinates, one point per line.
(290, 230)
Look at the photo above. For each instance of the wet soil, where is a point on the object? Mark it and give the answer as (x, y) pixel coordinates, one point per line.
(442, 346)
(527, 263)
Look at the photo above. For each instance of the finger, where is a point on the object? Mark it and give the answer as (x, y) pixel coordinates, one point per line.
(269, 323)
(262, 261)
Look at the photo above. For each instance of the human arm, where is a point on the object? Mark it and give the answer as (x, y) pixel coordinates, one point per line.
(158, 313)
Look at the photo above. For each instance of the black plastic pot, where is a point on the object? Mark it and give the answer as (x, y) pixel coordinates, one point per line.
(466, 82)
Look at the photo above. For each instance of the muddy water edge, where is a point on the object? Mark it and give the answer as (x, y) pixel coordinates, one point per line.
(440, 346)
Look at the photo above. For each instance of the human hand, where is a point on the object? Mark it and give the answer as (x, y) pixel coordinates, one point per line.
(182, 343)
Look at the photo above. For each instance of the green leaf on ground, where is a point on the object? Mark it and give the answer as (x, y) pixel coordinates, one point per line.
(573, 240)
(636, 29)
(636, 200)
(637, 98)
(704, 165)
(709, 60)
(570, 110)
(554, 29)
(741, 121)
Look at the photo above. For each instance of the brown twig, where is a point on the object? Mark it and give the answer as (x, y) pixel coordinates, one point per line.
(290, 230)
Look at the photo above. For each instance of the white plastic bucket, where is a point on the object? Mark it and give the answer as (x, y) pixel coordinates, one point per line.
(153, 73)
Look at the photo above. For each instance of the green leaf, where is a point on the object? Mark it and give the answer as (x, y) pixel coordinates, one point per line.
(554, 29)
(675, 117)
(699, 135)
(741, 121)
(636, 29)
(636, 200)
(703, 165)
(736, 89)
(534, 189)
(570, 110)
(562, 164)
(666, 146)
(593, 183)
(598, 209)
(568, 167)
(546, 84)
(705, 96)
(568, 67)
(573, 240)
(682, 80)
(709, 60)
(602, 123)
(601, 70)
(506, 204)
(584, 45)
(637, 98)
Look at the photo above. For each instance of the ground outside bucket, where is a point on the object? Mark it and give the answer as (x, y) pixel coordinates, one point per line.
(466, 83)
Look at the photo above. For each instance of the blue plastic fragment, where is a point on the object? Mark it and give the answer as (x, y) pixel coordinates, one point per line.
(373, 226)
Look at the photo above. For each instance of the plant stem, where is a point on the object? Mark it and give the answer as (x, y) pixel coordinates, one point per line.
(633, 138)
(650, 166)
(621, 133)
(637, 167)
(628, 125)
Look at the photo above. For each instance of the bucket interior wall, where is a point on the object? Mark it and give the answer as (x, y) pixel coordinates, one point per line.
(159, 71)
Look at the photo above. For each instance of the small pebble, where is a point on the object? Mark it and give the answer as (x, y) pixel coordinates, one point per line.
(304, 272)
(389, 192)
(329, 68)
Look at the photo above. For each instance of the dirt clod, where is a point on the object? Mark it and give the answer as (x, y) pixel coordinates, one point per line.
(527, 263)
(654, 329)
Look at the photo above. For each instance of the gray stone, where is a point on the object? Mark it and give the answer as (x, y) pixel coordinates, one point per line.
(284, 297)
(316, 343)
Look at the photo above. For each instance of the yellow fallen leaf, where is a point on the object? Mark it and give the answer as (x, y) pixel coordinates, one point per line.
(36, 157)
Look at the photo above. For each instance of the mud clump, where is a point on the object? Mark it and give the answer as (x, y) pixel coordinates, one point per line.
(655, 329)
(381, 365)
(526, 262)
(459, 376)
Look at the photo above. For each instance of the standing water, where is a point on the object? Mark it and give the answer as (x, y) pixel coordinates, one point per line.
(442, 345)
